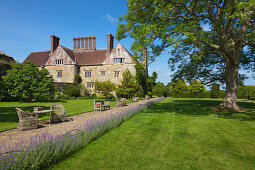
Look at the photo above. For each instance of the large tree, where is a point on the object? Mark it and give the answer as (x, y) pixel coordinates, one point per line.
(201, 32)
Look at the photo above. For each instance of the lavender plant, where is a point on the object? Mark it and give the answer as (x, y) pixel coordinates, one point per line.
(41, 151)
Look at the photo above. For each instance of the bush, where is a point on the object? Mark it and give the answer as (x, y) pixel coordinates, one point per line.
(246, 92)
(159, 90)
(71, 90)
(215, 91)
(179, 89)
(104, 88)
(128, 87)
(27, 82)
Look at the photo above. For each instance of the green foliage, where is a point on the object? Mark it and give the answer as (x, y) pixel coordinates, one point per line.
(77, 79)
(246, 92)
(141, 77)
(105, 88)
(209, 39)
(159, 90)
(215, 91)
(179, 88)
(196, 87)
(128, 87)
(27, 82)
(71, 90)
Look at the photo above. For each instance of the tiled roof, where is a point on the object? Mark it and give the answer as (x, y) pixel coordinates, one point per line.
(90, 57)
(6, 57)
(38, 57)
(69, 52)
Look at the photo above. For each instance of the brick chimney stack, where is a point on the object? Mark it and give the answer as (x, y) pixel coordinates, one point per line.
(54, 43)
(94, 42)
(78, 41)
(86, 43)
(74, 43)
(82, 42)
(110, 38)
(90, 42)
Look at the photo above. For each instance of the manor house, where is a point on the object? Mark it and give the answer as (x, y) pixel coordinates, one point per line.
(91, 64)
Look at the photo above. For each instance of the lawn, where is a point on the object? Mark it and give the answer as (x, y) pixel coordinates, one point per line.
(9, 118)
(174, 134)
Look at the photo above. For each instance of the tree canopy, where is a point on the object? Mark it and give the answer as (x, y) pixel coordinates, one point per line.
(210, 40)
(27, 82)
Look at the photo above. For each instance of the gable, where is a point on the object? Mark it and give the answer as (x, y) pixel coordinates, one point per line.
(119, 52)
(60, 54)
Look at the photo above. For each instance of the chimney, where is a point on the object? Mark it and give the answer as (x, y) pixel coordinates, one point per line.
(90, 42)
(110, 38)
(54, 43)
(78, 42)
(74, 43)
(94, 42)
(82, 42)
(86, 43)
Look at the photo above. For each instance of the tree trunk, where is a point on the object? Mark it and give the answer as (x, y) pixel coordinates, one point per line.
(231, 77)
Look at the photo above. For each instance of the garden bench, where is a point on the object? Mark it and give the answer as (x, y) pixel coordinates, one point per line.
(121, 102)
(58, 112)
(27, 120)
(135, 99)
(101, 105)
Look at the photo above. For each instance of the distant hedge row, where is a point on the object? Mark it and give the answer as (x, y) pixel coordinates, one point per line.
(244, 92)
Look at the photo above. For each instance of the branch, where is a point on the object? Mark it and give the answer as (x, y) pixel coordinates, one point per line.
(213, 46)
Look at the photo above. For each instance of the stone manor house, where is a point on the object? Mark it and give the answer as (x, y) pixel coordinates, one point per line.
(91, 64)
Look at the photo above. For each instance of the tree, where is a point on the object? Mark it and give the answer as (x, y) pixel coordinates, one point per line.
(215, 33)
(128, 87)
(27, 82)
(196, 87)
(105, 88)
(179, 88)
(4, 67)
(159, 90)
(215, 91)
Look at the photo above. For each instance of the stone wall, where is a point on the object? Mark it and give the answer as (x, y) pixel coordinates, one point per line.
(109, 69)
(68, 73)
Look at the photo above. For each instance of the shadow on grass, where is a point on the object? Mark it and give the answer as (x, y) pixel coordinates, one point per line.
(193, 107)
(9, 114)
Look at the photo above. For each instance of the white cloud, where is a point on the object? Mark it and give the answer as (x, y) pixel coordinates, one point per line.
(110, 18)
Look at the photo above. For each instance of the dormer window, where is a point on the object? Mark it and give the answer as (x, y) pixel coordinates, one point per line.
(58, 62)
(118, 60)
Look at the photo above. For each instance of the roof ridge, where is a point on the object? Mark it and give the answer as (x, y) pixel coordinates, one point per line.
(39, 51)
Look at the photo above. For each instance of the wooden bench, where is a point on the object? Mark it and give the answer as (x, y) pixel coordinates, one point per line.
(101, 105)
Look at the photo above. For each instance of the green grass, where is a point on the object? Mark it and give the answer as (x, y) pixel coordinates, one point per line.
(9, 118)
(174, 134)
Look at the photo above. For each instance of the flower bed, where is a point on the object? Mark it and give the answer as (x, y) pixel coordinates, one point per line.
(45, 149)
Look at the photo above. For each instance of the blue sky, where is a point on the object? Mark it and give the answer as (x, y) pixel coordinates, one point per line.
(26, 25)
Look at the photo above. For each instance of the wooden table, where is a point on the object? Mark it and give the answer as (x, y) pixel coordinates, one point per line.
(43, 112)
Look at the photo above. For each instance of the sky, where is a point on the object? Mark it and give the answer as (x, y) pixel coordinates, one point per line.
(26, 25)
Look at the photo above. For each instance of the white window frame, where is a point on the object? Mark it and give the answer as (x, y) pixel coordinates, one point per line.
(118, 60)
(59, 62)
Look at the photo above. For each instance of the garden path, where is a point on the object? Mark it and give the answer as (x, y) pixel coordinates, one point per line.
(14, 136)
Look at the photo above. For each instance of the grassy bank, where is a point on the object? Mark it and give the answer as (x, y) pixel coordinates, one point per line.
(174, 134)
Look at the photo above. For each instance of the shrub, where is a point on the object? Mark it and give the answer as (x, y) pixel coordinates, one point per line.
(246, 92)
(215, 91)
(27, 82)
(196, 87)
(104, 88)
(179, 89)
(71, 90)
(159, 90)
(128, 86)
(77, 79)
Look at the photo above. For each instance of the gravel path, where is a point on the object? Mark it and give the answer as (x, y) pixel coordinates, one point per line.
(10, 137)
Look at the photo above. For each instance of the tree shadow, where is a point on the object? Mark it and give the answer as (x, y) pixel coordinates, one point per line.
(195, 107)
